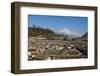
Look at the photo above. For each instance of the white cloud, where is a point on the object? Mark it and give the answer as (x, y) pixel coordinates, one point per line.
(66, 31)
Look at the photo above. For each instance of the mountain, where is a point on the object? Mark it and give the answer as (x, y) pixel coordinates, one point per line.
(50, 34)
(37, 31)
(85, 35)
(69, 33)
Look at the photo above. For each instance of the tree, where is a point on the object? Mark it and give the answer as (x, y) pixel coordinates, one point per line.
(33, 26)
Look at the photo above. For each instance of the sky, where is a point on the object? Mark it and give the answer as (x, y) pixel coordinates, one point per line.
(71, 24)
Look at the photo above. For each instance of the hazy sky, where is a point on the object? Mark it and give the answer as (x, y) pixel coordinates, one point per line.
(56, 23)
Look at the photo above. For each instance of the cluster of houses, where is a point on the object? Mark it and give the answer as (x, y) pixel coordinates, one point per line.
(41, 50)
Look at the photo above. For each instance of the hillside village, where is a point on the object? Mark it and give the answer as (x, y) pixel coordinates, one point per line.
(44, 44)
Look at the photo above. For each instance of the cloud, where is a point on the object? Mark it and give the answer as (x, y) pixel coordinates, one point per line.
(66, 31)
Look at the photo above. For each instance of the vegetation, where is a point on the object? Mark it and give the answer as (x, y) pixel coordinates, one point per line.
(44, 32)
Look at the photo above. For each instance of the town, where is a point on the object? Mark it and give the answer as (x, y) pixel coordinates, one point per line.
(44, 44)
